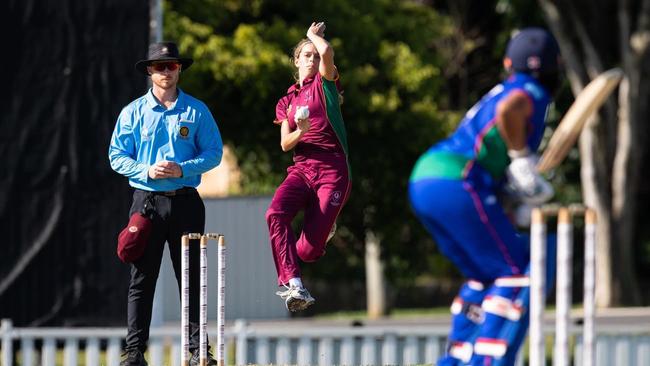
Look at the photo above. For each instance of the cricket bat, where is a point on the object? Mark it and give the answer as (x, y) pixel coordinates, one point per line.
(590, 99)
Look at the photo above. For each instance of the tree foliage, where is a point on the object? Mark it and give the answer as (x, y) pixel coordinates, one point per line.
(391, 74)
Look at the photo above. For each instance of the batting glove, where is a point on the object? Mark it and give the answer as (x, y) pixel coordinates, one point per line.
(526, 182)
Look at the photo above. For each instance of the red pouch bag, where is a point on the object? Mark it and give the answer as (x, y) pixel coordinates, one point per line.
(133, 239)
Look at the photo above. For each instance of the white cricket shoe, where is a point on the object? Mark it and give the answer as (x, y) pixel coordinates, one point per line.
(296, 298)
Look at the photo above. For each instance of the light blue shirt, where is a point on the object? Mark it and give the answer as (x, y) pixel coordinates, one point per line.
(146, 132)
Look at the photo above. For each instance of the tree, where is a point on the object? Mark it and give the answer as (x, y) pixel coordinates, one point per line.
(595, 36)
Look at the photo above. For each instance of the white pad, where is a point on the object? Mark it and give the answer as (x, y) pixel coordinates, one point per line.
(461, 351)
(502, 307)
(456, 306)
(490, 347)
(475, 285)
(513, 281)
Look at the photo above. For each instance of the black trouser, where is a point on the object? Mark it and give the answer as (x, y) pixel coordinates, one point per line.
(175, 216)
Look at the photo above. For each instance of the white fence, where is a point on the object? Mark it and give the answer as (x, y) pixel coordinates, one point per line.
(285, 344)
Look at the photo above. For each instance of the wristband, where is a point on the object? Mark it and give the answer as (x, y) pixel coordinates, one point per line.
(514, 154)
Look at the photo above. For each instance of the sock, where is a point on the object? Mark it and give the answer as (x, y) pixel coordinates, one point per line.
(295, 282)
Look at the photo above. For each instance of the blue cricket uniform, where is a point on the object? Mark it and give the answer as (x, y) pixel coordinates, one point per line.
(147, 132)
(453, 190)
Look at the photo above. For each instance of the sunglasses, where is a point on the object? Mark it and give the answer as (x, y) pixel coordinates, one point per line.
(171, 66)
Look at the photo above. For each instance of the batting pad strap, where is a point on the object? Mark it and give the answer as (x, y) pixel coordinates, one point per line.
(461, 351)
(475, 285)
(512, 281)
(456, 306)
(502, 307)
(472, 312)
(490, 347)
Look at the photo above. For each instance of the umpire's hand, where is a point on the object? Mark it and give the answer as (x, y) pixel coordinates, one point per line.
(165, 169)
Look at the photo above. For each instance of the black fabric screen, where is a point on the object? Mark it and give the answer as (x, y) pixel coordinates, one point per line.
(69, 71)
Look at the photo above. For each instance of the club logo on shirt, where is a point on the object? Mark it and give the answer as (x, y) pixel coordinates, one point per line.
(184, 132)
(335, 198)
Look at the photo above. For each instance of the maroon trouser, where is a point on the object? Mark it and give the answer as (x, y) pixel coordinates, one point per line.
(320, 186)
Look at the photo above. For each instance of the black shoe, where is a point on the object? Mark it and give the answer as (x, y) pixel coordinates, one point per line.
(133, 358)
(194, 360)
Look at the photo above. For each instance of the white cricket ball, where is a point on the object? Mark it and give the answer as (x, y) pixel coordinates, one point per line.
(302, 112)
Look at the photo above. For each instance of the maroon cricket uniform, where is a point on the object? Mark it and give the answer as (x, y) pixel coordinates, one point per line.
(318, 182)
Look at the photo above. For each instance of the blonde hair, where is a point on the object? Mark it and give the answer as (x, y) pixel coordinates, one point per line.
(296, 54)
(298, 48)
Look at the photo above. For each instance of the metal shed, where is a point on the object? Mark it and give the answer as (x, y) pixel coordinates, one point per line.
(250, 273)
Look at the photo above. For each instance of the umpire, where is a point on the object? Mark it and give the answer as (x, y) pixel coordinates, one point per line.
(163, 142)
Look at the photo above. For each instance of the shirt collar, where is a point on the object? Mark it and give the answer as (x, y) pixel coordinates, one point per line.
(308, 80)
(153, 103)
(522, 76)
(180, 101)
(296, 86)
(151, 100)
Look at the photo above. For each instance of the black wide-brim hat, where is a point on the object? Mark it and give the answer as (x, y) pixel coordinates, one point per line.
(162, 51)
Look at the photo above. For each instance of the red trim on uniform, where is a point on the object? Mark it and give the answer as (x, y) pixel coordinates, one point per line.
(478, 142)
(494, 341)
(468, 166)
(493, 232)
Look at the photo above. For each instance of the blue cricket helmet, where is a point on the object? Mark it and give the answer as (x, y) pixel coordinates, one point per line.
(534, 51)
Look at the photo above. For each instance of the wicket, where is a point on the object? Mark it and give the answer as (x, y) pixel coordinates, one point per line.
(564, 283)
(203, 297)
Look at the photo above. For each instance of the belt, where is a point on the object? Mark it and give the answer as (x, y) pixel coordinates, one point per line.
(177, 192)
